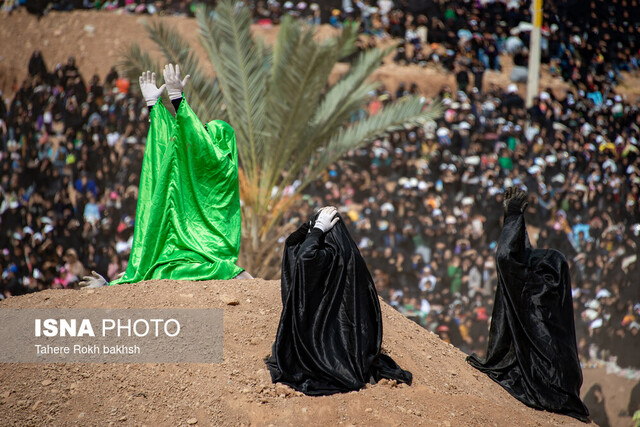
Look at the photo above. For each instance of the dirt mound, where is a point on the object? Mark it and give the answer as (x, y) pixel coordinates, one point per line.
(446, 391)
(98, 39)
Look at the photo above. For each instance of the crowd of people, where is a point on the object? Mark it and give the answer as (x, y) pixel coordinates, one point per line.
(71, 159)
(581, 41)
(423, 203)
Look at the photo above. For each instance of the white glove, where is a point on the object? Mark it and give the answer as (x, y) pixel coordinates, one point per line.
(172, 77)
(148, 87)
(327, 218)
(93, 281)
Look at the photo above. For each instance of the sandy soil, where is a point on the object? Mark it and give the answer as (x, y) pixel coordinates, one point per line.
(616, 391)
(446, 391)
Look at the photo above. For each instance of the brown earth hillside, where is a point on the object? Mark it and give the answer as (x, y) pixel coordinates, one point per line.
(98, 39)
(446, 391)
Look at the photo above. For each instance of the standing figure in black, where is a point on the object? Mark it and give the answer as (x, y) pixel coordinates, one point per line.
(330, 330)
(532, 349)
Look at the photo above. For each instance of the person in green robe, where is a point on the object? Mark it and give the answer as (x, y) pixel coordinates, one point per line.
(187, 224)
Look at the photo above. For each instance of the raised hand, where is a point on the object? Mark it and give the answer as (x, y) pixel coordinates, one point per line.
(174, 81)
(515, 201)
(150, 91)
(327, 218)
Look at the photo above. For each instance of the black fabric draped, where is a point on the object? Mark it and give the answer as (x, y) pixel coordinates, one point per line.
(330, 330)
(634, 400)
(532, 349)
(595, 404)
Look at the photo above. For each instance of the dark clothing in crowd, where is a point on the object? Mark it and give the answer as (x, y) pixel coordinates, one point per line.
(594, 401)
(67, 198)
(634, 400)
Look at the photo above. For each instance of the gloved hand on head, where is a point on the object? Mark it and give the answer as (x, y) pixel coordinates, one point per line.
(327, 218)
(174, 81)
(150, 91)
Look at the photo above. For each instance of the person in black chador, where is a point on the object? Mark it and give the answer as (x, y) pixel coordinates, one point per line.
(634, 400)
(594, 400)
(532, 349)
(330, 330)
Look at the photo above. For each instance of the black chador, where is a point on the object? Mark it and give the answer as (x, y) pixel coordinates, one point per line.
(330, 330)
(532, 350)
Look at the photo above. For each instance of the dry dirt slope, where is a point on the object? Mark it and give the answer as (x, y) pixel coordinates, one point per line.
(98, 39)
(446, 391)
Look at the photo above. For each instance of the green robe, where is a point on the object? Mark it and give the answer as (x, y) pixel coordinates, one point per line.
(188, 216)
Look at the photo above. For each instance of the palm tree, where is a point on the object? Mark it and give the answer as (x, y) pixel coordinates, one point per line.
(290, 124)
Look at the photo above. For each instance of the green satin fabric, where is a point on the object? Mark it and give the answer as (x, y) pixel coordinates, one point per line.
(188, 216)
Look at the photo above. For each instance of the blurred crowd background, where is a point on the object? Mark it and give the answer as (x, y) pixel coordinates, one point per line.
(423, 203)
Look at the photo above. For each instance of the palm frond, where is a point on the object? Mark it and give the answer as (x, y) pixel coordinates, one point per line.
(298, 161)
(301, 69)
(347, 95)
(410, 110)
(135, 61)
(340, 103)
(346, 42)
(242, 75)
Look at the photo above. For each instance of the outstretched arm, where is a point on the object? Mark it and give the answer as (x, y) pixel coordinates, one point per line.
(513, 243)
(161, 128)
(161, 120)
